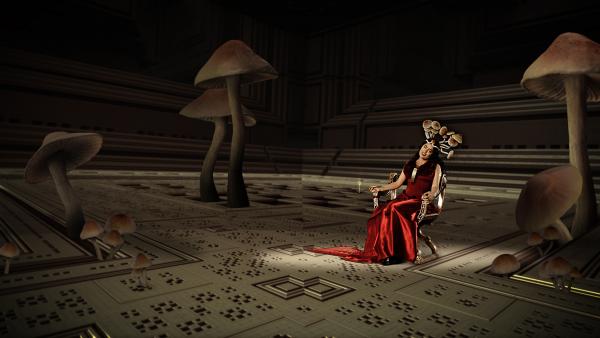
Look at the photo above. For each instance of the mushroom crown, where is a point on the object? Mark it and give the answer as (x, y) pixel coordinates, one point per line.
(74, 149)
(212, 104)
(547, 196)
(113, 238)
(91, 229)
(569, 54)
(534, 239)
(505, 264)
(558, 266)
(121, 223)
(551, 234)
(9, 250)
(232, 58)
(141, 262)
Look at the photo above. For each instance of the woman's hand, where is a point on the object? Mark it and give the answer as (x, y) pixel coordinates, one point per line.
(374, 189)
(427, 197)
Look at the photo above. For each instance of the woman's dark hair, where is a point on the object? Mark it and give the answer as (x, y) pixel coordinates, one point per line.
(430, 165)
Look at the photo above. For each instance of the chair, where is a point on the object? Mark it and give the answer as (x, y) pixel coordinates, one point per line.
(428, 213)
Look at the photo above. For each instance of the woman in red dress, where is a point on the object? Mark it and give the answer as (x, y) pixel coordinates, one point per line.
(392, 228)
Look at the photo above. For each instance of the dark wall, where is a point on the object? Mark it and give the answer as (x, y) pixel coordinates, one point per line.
(331, 59)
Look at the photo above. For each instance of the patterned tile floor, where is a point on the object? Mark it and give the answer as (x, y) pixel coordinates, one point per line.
(220, 272)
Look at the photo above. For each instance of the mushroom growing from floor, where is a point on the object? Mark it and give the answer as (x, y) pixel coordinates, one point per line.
(62, 152)
(124, 225)
(546, 197)
(505, 264)
(569, 70)
(573, 274)
(91, 231)
(8, 251)
(139, 267)
(534, 239)
(114, 239)
(232, 65)
(558, 269)
(211, 106)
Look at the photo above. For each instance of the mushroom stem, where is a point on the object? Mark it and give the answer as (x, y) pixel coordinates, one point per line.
(585, 207)
(114, 250)
(565, 234)
(237, 197)
(98, 252)
(73, 212)
(208, 191)
(7, 266)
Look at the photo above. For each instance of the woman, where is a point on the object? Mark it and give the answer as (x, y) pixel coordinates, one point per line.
(392, 228)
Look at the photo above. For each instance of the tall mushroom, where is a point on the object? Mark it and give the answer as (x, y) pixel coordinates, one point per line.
(211, 106)
(569, 70)
(62, 152)
(8, 251)
(546, 197)
(231, 65)
(91, 231)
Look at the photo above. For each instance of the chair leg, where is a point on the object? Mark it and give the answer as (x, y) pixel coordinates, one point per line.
(428, 241)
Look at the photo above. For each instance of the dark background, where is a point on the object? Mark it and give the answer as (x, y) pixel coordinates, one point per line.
(331, 55)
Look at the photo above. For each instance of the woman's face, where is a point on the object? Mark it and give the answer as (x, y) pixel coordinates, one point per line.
(426, 151)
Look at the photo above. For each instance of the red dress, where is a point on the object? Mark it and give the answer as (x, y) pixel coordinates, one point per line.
(392, 227)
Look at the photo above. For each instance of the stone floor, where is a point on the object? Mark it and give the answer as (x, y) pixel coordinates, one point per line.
(220, 272)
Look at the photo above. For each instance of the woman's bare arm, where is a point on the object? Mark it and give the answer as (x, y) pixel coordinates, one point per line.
(435, 185)
(394, 185)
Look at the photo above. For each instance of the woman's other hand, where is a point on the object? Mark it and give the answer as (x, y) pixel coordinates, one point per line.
(374, 189)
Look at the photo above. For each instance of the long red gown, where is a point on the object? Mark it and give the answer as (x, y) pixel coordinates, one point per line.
(392, 227)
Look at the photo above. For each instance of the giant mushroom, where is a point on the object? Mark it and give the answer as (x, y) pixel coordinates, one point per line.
(546, 197)
(569, 70)
(62, 152)
(232, 65)
(211, 106)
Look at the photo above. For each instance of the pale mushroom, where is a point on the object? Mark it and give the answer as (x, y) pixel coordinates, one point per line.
(536, 241)
(457, 137)
(114, 239)
(231, 65)
(443, 130)
(452, 142)
(8, 251)
(91, 231)
(435, 125)
(211, 106)
(450, 154)
(427, 124)
(121, 223)
(139, 267)
(569, 70)
(546, 197)
(558, 269)
(62, 152)
(505, 264)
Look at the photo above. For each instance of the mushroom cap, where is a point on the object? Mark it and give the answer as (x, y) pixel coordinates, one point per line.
(443, 130)
(551, 234)
(569, 54)
(427, 124)
(558, 266)
(505, 264)
(436, 125)
(450, 133)
(212, 104)
(534, 239)
(141, 262)
(450, 154)
(113, 238)
(91, 229)
(457, 137)
(9, 250)
(547, 196)
(452, 142)
(122, 223)
(234, 57)
(76, 149)
(248, 116)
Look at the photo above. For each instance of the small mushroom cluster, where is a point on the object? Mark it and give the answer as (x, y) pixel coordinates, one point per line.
(116, 227)
(561, 272)
(8, 251)
(544, 199)
(449, 139)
